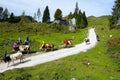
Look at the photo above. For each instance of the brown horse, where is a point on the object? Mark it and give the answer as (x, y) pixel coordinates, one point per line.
(67, 42)
(46, 46)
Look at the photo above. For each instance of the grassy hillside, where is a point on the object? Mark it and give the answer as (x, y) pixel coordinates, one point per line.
(37, 32)
(102, 65)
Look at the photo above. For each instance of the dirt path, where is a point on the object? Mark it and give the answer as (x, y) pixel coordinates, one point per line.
(50, 56)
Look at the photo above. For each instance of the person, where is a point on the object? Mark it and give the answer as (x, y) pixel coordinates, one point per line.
(27, 38)
(4, 57)
(97, 37)
(19, 41)
(42, 43)
(15, 46)
(27, 41)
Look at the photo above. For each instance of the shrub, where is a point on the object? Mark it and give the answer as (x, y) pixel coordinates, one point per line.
(113, 48)
(113, 42)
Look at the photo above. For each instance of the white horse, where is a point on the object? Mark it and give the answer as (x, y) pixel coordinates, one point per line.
(14, 57)
(24, 48)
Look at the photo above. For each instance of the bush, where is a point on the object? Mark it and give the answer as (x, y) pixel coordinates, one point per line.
(113, 42)
(118, 27)
(113, 48)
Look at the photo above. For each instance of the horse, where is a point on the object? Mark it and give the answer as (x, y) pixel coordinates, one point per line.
(87, 40)
(67, 42)
(46, 46)
(13, 57)
(24, 48)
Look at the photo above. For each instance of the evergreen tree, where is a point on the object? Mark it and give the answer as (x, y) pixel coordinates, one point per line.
(85, 22)
(111, 22)
(78, 16)
(1, 10)
(5, 14)
(76, 12)
(11, 19)
(115, 18)
(79, 19)
(58, 14)
(46, 15)
(70, 16)
(38, 14)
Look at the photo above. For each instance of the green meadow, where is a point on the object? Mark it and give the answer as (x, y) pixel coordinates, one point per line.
(104, 58)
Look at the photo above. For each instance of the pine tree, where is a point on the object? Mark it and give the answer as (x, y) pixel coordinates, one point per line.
(1, 10)
(11, 19)
(5, 14)
(46, 15)
(79, 19)
(70, 16)
(85, 22)
(38, 14)
(116, 11)
(115, 18)
(76, 12)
